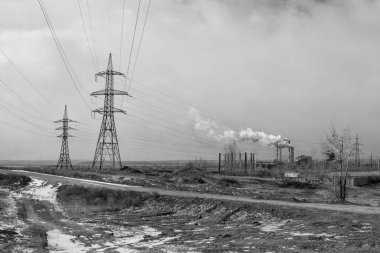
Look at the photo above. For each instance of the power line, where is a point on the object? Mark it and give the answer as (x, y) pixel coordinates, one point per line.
(109, 24)
(121, 36)
(146, 139)
(130, 53)
(92, 35)
(180, 103)
(61, 52)
(24, 130)
(11, 113)
(85, 32)
(140, 42)
(24, 112)
(28, 80)
(22, 99)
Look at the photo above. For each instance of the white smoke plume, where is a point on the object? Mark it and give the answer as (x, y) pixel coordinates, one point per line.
(226, 136)
(259, 136)
(210, 128)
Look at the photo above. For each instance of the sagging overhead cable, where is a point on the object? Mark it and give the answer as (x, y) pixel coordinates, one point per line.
(28, 80)
(130, 53)
(61, 52)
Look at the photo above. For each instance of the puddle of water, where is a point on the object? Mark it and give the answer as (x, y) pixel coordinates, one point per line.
(273, 226)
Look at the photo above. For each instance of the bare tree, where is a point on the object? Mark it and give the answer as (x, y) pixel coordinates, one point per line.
(338, 148)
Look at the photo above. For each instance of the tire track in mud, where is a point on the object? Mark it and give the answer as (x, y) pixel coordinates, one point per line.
(189, 194)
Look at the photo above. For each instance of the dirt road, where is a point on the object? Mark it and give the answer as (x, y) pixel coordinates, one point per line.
(189, 194)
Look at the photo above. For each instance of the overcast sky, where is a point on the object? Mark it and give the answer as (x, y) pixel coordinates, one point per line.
(285, 67)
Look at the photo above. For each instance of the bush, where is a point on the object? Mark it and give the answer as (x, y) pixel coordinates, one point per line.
(193, 180)
(227, 182)
(189, 175)
(14, 181)
(99, 199)
(297, 185)
(374, 180)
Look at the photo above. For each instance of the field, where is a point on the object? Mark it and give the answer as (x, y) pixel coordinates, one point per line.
(43, 216)
(189, 178)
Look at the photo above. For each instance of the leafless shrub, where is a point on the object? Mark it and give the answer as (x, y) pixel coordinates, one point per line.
(338, 148)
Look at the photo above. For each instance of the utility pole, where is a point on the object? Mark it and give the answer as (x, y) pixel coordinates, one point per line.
(240, 162)
(225, 163)
(357, 152)
(370, 161)
(229, 164)
(108, 145)
(220, 162)
(245, 163)
(64, 156)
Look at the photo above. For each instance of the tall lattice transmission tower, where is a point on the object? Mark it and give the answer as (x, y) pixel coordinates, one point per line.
(107, 146)
(64, 157)
(357, 152)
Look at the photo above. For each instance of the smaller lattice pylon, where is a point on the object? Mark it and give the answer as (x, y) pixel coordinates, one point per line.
(64, 156)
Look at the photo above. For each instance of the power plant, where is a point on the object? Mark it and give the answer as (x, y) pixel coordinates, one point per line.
(284, 144)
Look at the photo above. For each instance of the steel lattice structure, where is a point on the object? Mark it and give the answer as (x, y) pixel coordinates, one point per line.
(64, 157)
(107, 145)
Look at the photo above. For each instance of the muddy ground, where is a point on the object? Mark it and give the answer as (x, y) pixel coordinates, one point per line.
(33, 219)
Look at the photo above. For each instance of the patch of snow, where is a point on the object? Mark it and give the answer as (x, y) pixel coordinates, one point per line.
(150, 231)
(206, 241)
(124, 238)
(153, 243)
(300, 234)
(273, 226)
(9, 218)
(95, 246)
(325, 234)
(41, 190)
(59, 242)
(93, 182)
(199, 229)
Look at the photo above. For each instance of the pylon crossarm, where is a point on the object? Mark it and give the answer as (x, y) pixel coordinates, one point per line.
(65, 120)
(103, 111)
(119, 110)
(65, 128)
(109, 72)
(119, 92)
(109, 92)
(65, 135)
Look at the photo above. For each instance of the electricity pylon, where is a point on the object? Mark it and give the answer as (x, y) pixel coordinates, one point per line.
(64, 157)
(357, 152)
(107, 145)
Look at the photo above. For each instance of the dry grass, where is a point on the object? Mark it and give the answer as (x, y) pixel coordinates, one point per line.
(13, 181)
(297, 185)
(227, 182)
(81, 199)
